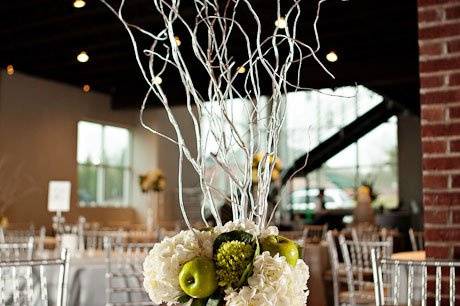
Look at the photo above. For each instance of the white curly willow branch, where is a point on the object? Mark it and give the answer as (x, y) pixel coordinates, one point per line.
(235, 147)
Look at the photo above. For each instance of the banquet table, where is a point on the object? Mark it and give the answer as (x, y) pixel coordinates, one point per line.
(414, 256)
(86, 282)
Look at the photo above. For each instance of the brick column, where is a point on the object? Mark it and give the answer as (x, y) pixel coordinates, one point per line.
(439, 41)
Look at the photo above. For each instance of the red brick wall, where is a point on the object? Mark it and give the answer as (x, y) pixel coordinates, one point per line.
(439, 41)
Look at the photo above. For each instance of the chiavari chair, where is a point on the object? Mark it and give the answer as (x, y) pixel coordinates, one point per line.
(93, 240)
(10, 251)
(124, 276)
(403, 282)
(314, 233)
(20, 280)
(336, 267)
(417, 240)
(358, 265)
(16, 235)
(371, 233)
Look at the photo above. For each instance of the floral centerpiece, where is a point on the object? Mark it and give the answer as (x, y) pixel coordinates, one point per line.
(233, 70)
(153, 180)
(153, 183)
(234, 264)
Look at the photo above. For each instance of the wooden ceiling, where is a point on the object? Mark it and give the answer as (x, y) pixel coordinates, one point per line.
(376, 42)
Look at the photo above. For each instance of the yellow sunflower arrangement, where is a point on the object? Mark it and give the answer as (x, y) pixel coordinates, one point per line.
(154, 180)
(274, 160)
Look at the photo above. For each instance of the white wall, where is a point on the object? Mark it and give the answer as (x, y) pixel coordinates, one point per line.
(38, 129)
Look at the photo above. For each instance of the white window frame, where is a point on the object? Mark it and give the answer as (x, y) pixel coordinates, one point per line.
(103, 166)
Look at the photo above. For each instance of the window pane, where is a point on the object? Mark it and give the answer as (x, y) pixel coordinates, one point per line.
(385, 181)
(379, 146)
(89, 143)
(114, 186)
(116, 146)
(344, 159)
(87, 184)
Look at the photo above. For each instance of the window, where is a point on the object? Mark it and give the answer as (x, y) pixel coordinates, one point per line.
(104, 165)
(312, 117)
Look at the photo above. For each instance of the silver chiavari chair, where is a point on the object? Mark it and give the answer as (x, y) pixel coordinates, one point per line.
(371, 233)
(21, 279)
(124, 273)
(10, 251)
(401, 282)
(95, 239)
(314, 233)
(417, 240)
(336, 267)
(358, 265)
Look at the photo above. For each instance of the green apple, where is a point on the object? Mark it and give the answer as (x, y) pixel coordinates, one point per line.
(197, 278)
(282, 246)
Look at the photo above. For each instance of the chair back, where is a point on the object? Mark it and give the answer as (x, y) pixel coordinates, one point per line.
(334, 260)
(10, 251)
(358, 264)
(409, 282)
(94, 239)
(20, 279)
(124, 273)
(314, 233)
(417, 239)
(371, 233)
(16, 235)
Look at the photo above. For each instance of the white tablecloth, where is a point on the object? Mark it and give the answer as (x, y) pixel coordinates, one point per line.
(86, 281)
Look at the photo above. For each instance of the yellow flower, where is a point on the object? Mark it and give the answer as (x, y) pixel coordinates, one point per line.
(273, 161)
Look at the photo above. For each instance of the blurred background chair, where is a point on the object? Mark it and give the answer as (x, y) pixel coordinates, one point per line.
(358, 265)
(400, 282)
(314, 233)
(24, 282)
(338, 271)
(124, 277)
(417, 239)
(11, 251)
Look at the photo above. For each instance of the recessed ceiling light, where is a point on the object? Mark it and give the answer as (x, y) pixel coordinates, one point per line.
(86, 88)
(10, 69)
(157, 80)
(83, 57)
(241, 69)
(332, 57)
(281, 23)
(178, 41)
(79, 3)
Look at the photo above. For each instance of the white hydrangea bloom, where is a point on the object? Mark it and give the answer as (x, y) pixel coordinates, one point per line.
(273, 283)
(163, 264)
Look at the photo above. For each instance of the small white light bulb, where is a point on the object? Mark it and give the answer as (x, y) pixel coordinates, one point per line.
(178, 41)
(79, 3)
(281, 23)
(332, 57)
(157, 80)
(83, 57)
